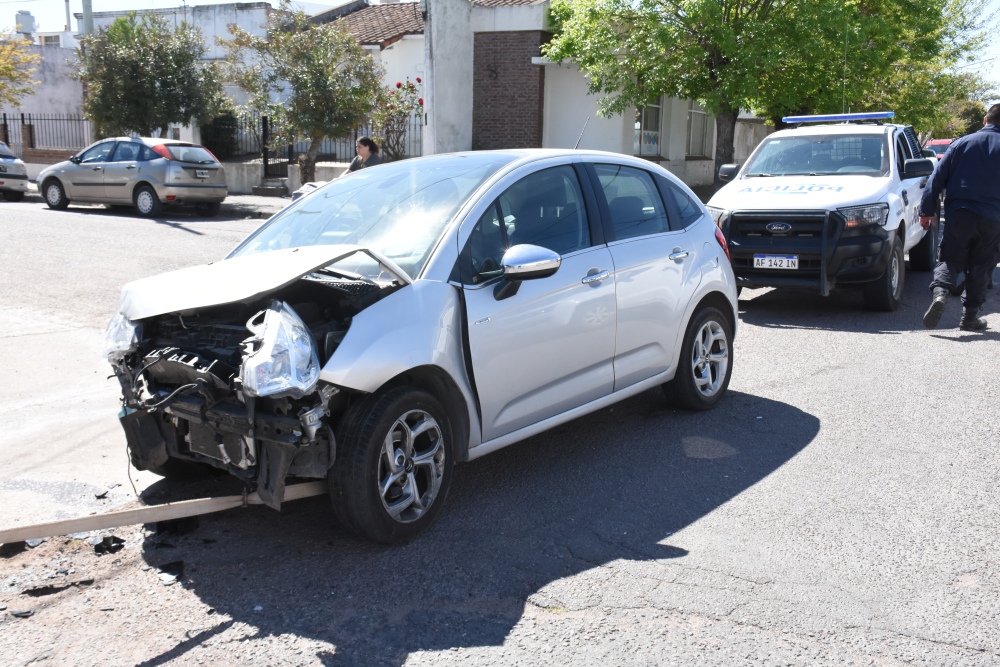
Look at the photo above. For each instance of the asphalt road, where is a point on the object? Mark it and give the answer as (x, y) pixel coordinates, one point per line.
(839, 507)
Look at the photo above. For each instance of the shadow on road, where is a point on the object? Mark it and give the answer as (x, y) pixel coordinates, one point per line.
(612, 485)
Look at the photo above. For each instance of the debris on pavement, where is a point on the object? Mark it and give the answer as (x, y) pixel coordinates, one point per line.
(107, 545)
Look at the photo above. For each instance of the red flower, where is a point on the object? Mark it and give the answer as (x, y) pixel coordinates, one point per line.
(420, 101)
(418, 80)
(399, 84)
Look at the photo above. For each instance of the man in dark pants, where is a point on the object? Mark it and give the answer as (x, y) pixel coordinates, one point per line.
(969, 174)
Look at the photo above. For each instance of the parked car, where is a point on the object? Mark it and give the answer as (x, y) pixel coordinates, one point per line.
(13, 175)
(426, 312)
(827, 204)
(146, 173)
(939, 146)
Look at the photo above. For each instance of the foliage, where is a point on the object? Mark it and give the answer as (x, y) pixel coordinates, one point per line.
(311, 81)
(391, 117)
(769, 56)
(221, 135)
(16, 68)
(141, 74)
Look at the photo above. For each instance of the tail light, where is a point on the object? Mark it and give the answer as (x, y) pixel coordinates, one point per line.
(721, 238)
(162, 151)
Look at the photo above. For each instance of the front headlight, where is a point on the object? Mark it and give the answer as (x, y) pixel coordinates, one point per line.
(280, 359)
(717, 214)
(120, 338)
(862, 216)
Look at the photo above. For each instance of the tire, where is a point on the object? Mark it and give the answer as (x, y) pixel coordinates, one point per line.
(706, 361)
(146, 202)
(208, 210)
(13, 195)
(55, 195)
(886, 293)
(923, 256)
(363, 499)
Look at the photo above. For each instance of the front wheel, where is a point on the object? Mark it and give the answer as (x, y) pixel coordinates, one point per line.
(13, 195)
(55, 196)
(706, 361)
(886, 293)
(146, 201)
(394, 465)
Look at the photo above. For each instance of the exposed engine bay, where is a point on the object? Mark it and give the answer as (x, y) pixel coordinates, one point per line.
(236, 386)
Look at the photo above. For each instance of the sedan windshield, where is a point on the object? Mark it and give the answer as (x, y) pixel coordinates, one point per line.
(816, 155)
(399, 210)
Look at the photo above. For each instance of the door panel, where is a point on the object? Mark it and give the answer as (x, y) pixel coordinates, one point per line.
(547, 349)
(86, 180)
(121, 171)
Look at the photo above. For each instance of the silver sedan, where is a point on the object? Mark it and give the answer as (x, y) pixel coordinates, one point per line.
(148, 174)
(422, 313)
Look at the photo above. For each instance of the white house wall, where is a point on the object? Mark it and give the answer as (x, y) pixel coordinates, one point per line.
(567, 108)
(55, 91)
(403, 60)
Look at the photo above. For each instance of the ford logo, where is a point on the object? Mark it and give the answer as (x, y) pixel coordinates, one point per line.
(778, 227)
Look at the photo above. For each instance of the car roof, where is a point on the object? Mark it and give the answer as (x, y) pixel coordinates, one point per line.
(150, 141)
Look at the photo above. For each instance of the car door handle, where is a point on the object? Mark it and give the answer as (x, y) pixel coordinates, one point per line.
(678, 254)
(131, 166)
(97, 168)
(596, 278)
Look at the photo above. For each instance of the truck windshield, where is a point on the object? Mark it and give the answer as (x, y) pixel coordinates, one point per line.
(816, 155)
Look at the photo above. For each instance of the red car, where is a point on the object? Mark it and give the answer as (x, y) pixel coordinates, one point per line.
(939, 146)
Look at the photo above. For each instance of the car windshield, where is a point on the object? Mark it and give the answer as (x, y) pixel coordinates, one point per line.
(818, 154)
(5, 151)
(399, 210)
(195, 154)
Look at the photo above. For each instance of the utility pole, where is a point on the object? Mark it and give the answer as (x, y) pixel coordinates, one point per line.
(88, 18)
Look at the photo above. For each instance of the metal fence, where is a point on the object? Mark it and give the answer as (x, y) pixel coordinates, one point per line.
(60, 131)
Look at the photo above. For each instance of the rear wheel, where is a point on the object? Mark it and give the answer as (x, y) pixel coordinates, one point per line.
(923, 256)
(55, 195)
(706, 361)
(146, 201)
(13, 195)
(393, 466)
(886, 293)
(208, 210)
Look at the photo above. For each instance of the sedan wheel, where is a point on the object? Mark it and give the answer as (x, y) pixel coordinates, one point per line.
(705, 361)
(393, 469)
(146, 201)
(55, 196)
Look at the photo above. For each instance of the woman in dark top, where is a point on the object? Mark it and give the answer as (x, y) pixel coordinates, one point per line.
(367, 154)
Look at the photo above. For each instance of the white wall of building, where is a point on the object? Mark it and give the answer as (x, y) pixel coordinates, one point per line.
(402, 60)
(568, 107)
(55, 91)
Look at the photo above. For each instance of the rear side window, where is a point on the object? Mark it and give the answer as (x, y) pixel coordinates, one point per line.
(126, 152)
(635, 205)
(687, 210)
(146, 154)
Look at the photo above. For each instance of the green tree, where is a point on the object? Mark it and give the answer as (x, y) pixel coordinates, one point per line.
(16, 67)
(312, 81)
(141, 74)
(769, 56)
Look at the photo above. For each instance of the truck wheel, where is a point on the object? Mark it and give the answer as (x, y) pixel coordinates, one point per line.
(923, 256)
(13, 195)
(393, 467)
(706, 361)
(55, 196)
(886, 293)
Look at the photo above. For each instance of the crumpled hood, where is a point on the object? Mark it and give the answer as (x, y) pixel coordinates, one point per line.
(800, 192)
(239, 279)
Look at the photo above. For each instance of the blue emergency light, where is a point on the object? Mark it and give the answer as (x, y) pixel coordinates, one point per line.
(845, 117)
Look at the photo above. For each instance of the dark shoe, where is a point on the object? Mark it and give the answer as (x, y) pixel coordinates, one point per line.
(972, 322)
(933, 314)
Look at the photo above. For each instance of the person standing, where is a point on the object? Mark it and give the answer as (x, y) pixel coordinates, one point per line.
(969, 174)
(367, 155)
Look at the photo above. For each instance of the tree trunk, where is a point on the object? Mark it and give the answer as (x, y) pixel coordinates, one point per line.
(307, 162)
(725, 139)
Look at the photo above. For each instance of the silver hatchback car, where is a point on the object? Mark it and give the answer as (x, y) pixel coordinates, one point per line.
(141, 172)
(422, 313)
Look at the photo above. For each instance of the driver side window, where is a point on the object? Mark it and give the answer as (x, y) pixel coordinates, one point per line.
(98, 153)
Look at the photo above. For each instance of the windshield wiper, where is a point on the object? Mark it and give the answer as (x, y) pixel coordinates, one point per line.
(350, 275)
(761, 175)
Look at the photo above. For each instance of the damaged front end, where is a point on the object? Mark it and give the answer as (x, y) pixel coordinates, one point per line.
(236, 386)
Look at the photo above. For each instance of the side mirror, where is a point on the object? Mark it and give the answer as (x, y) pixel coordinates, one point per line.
(525, 262)
(727, 172)
(926, 152)
(917, 168)
(75, 159)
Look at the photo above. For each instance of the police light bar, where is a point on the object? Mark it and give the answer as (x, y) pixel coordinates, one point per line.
(832, 118)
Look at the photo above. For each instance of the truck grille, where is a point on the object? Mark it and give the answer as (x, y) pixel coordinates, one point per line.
(789, 224)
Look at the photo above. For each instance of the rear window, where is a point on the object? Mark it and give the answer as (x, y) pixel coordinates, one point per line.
(5, 151)
(195, 154)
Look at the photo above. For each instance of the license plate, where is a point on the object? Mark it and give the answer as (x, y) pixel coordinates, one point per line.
(201, 173)
(775, 261)
(3, 168)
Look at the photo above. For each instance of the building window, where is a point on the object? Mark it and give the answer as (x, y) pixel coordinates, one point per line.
(699, 135)
(50, 40)
(646, 138)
